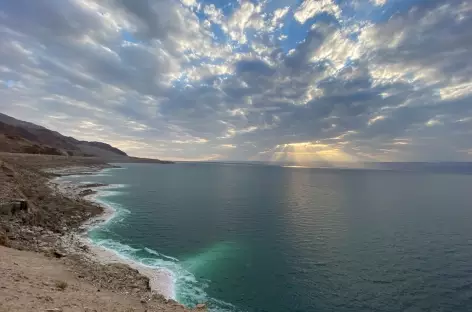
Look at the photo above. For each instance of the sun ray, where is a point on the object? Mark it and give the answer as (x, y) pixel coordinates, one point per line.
(310, 154)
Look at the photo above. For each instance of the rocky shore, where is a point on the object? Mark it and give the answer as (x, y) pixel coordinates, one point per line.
(50, 231)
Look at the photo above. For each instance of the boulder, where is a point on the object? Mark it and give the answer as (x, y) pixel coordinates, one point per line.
(58, 253)
(12, 206)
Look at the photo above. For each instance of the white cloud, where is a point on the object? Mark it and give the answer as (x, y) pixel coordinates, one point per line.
(456, 91)
(338, 49)
(433, 122)
(227, 146)
(190, 141)
(246, 16)
(214, 14)
(310, 8)
(379, 2)
(375, 119)
(278, 15)
(190, 3)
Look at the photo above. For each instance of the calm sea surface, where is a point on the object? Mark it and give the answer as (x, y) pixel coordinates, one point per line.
(266, 238)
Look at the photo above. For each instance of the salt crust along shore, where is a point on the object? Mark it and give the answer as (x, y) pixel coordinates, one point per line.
(161, 280)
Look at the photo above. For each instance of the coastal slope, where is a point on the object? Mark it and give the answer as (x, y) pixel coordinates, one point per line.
(39, 269)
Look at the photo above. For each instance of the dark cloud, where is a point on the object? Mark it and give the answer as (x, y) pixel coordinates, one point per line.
(155, 19)
(254, 67)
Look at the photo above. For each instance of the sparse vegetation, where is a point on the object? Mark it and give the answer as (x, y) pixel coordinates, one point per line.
(61, 285)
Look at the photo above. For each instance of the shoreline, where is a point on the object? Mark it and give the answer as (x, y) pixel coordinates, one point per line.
(161, 280)
(52, 229)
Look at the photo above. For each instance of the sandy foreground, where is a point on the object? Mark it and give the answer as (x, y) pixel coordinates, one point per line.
(31, 281)
(46, 261)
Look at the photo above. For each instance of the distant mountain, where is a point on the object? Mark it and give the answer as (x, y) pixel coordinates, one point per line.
(19, 136)
(102, 146)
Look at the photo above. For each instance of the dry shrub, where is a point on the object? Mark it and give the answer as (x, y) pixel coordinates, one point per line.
(61, 285)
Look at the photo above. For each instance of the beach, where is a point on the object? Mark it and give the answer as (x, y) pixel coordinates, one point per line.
(53, 231)
(161, 281)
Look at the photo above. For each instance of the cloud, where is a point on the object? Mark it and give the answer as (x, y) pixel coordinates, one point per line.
(379, 2)
(427, 42)
(311, 8)
(254, 67)
(278, 15)
(246, 16)
(195, 80)
(226, 146)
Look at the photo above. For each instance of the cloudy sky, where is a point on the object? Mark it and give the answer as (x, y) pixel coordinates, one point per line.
(332, 80)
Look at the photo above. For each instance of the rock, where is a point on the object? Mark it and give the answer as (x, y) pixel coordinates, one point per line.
(54, 310)
(90, 185)
(86, 192)
(171, 301)
(201, 306)
(45, 298)
(12, 206)
(46, 250)
(58, 253)
(174, 303)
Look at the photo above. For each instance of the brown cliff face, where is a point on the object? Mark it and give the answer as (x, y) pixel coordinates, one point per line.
(15, 139)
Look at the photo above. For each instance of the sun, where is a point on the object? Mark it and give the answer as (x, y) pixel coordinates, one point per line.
(309, 153)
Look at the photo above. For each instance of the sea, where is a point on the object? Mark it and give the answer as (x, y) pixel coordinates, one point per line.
(256, 237)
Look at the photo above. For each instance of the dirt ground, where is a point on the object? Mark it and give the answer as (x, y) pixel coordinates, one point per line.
(30, 281)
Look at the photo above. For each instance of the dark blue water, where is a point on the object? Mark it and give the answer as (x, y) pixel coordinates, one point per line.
(266, 238)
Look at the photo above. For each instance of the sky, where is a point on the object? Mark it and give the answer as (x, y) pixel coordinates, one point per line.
(270, 80)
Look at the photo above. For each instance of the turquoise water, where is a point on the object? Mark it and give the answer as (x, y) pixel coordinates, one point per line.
(266, 238)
